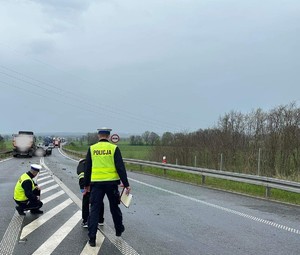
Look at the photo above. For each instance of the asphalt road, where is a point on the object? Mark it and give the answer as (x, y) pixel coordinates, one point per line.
(165, 217)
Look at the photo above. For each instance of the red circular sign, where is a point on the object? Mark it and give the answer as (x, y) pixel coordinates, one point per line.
(114, 138)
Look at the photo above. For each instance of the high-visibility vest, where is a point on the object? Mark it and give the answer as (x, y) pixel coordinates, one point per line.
(19, 193)
(103, 163)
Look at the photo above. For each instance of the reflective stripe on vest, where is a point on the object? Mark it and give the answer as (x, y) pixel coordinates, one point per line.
(103, 163)
(19, 193)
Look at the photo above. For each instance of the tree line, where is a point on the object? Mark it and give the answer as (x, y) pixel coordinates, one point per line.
(260, 142)
(265, 143)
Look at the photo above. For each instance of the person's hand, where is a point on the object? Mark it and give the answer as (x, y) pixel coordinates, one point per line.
(37, 187)
(86, 190)
(128, 189)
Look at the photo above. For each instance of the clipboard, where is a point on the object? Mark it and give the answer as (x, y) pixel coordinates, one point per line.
(125, 199)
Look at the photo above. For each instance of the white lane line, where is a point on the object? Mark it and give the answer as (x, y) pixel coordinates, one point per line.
(53, 241)
(44, 178)
(279, 226)
(66, 156)
(5, 160)
(11, 235)
(88, 250)
(44, 183)
(42, 174)
(55, 195)
(44, 218)
(49, 188)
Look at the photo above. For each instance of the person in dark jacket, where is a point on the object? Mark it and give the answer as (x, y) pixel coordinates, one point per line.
(86, 197)
(104, 168)
(27, 192)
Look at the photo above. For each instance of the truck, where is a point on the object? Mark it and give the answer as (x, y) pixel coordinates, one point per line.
(24, 144)
(57, 142)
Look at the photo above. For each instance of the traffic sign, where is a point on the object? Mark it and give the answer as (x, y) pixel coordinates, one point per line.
(115, 138)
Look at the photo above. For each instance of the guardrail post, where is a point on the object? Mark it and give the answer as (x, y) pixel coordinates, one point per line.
(268, 192)
(258, 162)
(221, 161)
(165, 172)
(141, 168)
(202, 179)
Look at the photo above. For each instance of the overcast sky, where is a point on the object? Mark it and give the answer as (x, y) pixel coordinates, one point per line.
(132, 65)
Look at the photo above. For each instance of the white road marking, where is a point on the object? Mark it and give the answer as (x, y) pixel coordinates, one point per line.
(120, 244)
(44, 183)
(55, 195)
(5, 160)
(279, 226)
(44, 173)
(88, 250)
(43, 191)
(53, 241)
(44, 218)
(44, 178)
(11, 235)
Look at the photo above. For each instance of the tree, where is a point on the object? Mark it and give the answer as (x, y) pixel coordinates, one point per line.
(92, 138)
(167, 139)
(146, 137)
(154, 139)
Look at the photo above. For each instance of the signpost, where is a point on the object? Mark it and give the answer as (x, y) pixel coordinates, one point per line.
(115, 138)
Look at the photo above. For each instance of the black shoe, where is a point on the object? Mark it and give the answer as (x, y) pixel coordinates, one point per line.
(92, 242)
(20, 210)
(120, 231)
(38, 211)
(84, 224)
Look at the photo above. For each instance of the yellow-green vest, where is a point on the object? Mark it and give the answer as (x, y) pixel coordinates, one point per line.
(19, 193)
(103, 163)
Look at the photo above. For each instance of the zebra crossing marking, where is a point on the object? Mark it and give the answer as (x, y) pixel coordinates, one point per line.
(29, 228)
(54, 240)
(55, 195)
(43, 191)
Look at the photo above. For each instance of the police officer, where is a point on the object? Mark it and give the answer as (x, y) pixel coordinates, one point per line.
(27, 192)
(86, 197)
(104, 169)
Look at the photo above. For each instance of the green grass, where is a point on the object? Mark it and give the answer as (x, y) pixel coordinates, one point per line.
(9, 145)
(128, 151)
(134, 151)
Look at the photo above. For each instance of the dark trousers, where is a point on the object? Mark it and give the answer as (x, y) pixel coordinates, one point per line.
(98, 191)
(86, 208)
(31, 205)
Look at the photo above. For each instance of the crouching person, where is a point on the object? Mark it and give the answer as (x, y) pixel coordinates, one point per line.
(27, 192)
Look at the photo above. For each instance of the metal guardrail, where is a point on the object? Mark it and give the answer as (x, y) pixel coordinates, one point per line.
(267, 182)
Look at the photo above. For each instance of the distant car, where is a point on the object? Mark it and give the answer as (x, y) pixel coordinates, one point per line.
(48, 150)
(43, 151)
(51, 145)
